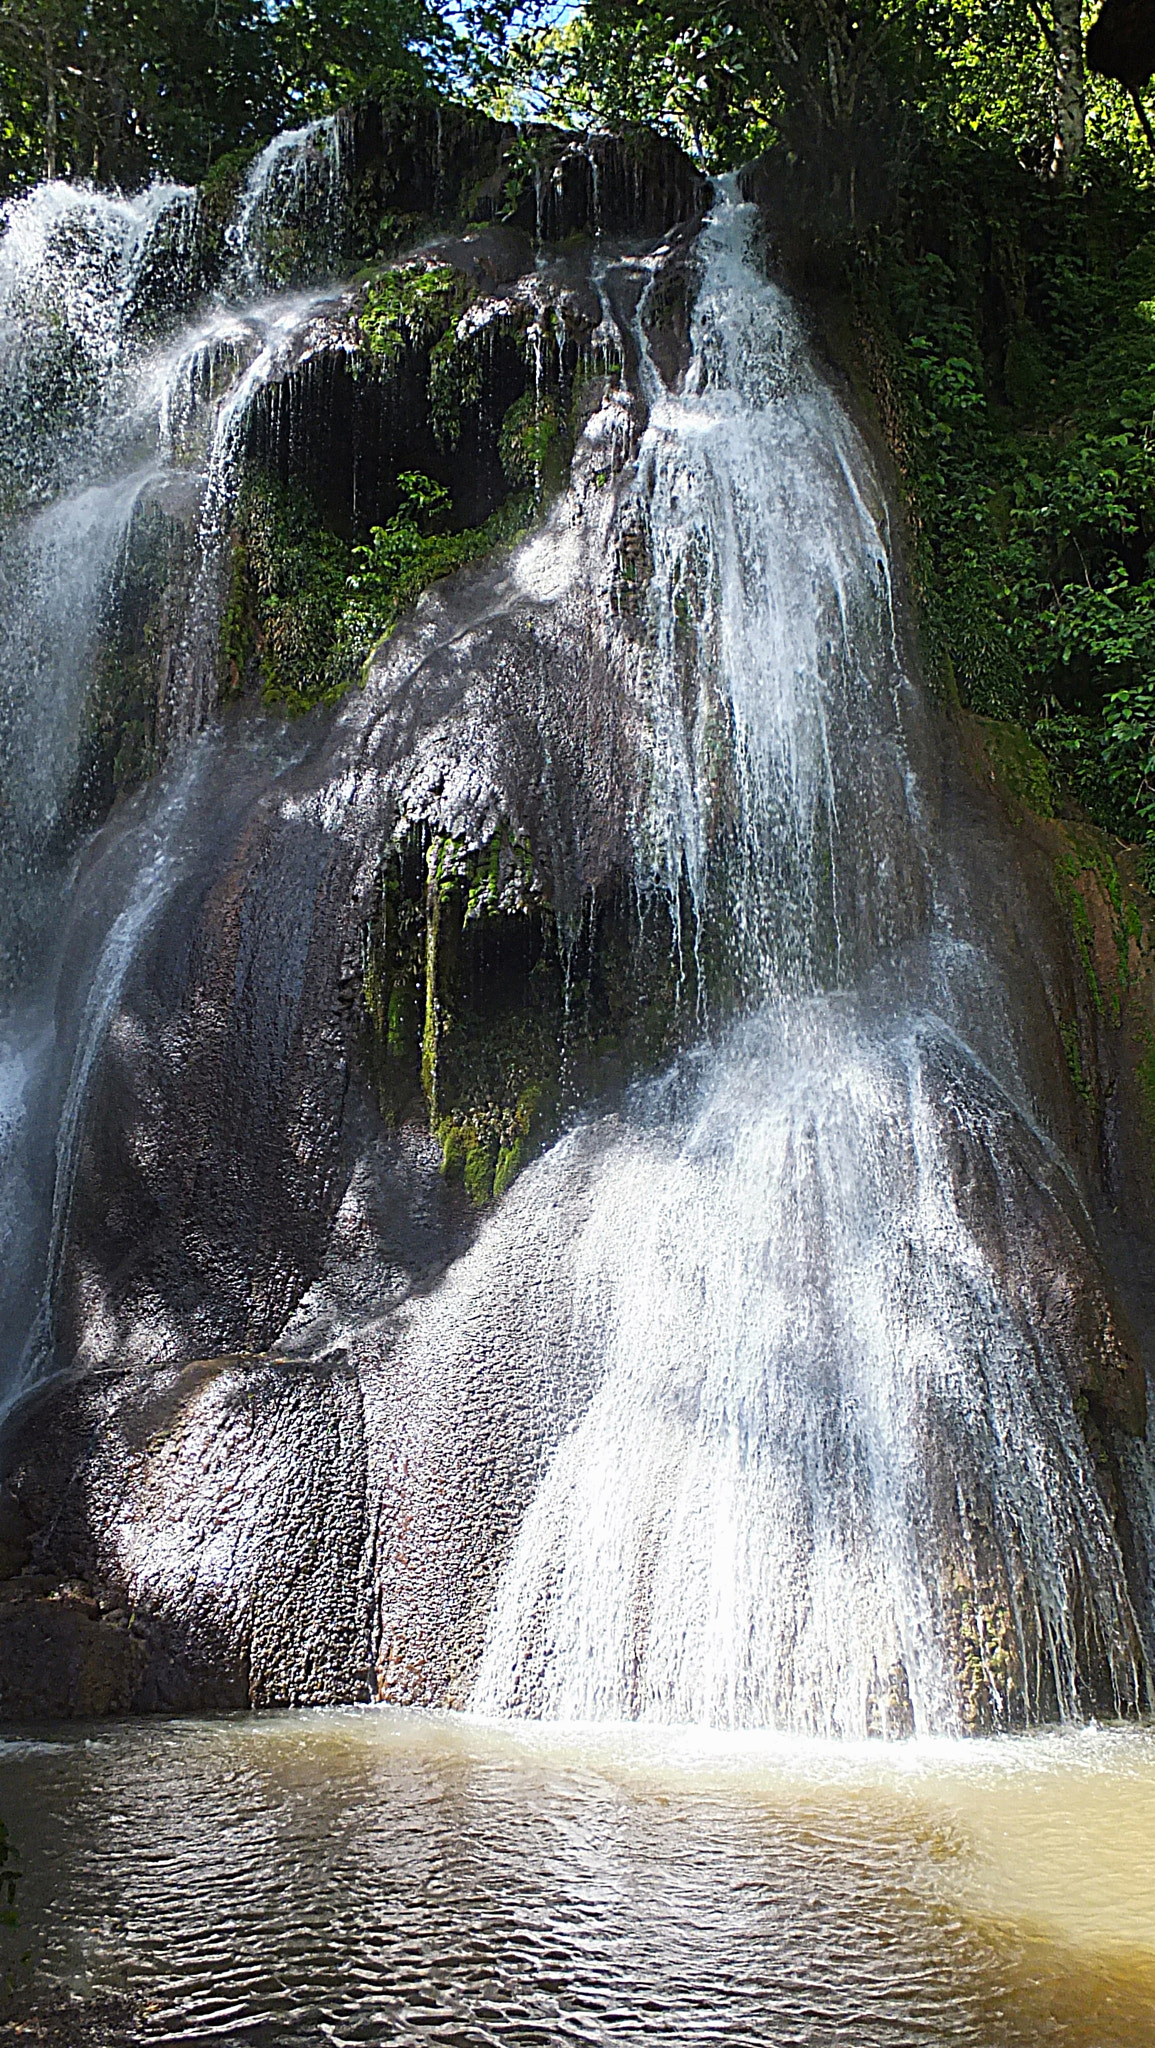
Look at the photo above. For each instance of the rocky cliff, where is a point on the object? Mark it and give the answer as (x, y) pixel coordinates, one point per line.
(313, 1303)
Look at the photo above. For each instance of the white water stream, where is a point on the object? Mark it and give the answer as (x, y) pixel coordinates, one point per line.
(832, 1457)
(109, 408)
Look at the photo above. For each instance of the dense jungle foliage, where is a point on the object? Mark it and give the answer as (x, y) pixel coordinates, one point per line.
(952, 168)
(123, 90)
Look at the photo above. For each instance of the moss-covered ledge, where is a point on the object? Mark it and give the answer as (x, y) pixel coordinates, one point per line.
(430, 419)
(487, 1019)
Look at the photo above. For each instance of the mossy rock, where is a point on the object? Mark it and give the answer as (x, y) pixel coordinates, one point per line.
(1019, 764)
(480, 1015)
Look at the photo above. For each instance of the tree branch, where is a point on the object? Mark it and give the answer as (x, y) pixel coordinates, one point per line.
(1141, 110)
(1048, 34)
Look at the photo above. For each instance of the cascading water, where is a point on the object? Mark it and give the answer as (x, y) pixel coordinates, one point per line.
(108, 416)
(291, 218)
(831, 1462)
(753, 1399)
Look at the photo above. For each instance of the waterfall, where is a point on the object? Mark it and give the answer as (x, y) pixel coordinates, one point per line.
(753, 1403)
(831, 1473)
(113, 403)
(291, 219)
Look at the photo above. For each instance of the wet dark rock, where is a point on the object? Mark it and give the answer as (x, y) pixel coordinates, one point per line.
(668, 308)
(416, 165)
(440, 161)
(15, 1530)
(490, 256)
(53, 2020)
(64, 1653)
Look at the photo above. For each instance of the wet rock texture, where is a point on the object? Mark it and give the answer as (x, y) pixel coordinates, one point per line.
(297, 1423)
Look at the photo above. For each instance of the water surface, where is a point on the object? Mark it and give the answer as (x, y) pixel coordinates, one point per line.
(376, 1876)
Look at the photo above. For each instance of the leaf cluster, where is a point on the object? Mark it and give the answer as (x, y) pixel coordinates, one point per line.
(307, 608)
(1023, 353)
(410, 306)
(411, 551)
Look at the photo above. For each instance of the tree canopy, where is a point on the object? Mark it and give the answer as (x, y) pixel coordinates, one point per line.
(122, 90)
(729, 76)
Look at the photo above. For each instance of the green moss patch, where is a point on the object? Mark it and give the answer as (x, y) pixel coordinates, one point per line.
(221, 187)
(1091, 857)
(305, 608)
(484, 1021)
(288, 589)
(535, 447)
(407, 554)
(1020, 764)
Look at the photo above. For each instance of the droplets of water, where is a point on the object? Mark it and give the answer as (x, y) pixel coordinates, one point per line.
(104, 400)
(80, 274)
(59, 573)
(831, 1478)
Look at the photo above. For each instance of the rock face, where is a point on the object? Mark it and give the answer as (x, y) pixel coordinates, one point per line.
(332, 1243)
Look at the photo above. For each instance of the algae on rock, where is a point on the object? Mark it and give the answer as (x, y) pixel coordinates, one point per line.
(488, 1018)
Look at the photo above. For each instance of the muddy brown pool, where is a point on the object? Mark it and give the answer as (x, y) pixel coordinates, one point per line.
(369, 1876)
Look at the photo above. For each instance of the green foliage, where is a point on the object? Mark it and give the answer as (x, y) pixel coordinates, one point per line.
(1023, 359)
(123, 90)
(419, 306)
(879, 80)
(403, 557)
(534, 446)
(456, 382)
(287, 599)
(411, 306)
(305, 608)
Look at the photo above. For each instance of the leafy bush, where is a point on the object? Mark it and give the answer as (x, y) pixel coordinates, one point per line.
(307, 608)
(410, 552)
(1030, 462)
(410, 306)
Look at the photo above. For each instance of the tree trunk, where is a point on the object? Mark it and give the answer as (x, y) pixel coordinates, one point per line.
(1070, 88)
(49, 105)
